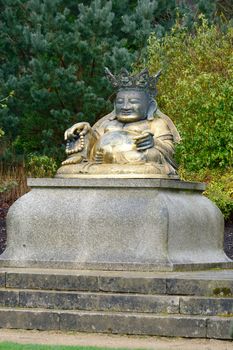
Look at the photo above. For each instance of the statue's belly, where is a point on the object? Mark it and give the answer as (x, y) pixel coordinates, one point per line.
(119, 147)
(117, 141)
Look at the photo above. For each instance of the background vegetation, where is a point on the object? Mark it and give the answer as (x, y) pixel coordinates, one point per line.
(197, 92)
(52, 55)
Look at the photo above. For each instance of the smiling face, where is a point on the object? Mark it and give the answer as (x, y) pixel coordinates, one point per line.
(131, 105)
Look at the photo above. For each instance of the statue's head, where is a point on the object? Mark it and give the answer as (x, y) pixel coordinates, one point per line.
(135, 97)
(132, 105)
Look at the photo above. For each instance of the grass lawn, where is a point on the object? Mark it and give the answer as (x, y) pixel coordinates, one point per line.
(13, 346)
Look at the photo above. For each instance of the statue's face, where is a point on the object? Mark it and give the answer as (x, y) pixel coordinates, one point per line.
(131, 105)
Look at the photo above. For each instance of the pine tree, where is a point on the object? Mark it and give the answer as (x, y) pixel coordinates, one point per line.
(53, 53)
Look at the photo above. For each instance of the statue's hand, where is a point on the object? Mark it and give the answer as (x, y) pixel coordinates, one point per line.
(99, 157)
(81, 129)
(75, 159)
(144, 141)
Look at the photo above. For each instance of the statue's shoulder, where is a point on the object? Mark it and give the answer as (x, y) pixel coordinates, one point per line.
(104, 120)
(159, 122)
(159, 126)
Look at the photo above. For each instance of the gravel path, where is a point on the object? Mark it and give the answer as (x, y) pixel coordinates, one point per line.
(112, 341)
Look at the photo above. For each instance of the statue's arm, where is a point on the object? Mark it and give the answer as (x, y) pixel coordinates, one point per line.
(99, 127)
(163, 147)
(81, 139)
(78, 139)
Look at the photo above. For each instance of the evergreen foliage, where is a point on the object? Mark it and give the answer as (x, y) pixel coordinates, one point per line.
(52, 54)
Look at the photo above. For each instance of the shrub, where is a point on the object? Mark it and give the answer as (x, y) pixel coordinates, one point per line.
(13, 182)
(6, 186)
(196, 91)
(219, 186)
(40, 166)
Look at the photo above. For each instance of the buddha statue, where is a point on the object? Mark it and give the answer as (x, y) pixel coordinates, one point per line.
(136, 139)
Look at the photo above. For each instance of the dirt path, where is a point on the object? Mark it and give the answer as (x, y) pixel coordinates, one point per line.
(112, 341)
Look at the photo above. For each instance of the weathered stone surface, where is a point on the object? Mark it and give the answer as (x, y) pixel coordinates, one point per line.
(58, 300)
(120, 224)
(205, 287)
(206, 306)
(9, 298)
(147, 285)
(134, 324)
(220, 328)
(100, 301)
(118, 323)
(104, 229)
(120, 308)
(92, 281)
(142, 303)
(2, 279)
(86, 181)
(51, 281)
(216, 283)
(29, 319)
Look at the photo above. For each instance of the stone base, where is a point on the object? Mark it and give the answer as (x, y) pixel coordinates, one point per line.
(115, 224)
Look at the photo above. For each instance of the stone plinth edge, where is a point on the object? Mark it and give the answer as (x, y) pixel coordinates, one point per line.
(116, 182)
(116, 267)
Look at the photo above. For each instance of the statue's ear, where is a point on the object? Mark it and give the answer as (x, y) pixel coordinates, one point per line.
(112, 115)
(151, 110)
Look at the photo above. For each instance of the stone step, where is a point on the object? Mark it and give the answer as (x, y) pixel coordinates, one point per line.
(90, 301)
(117, 302)
(206, 306)
(204, 283)
(118, 323)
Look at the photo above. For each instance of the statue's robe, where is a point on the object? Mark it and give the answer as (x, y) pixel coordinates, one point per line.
(115, 140)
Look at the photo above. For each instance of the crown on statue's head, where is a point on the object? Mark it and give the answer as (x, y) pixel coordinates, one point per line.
(140, 81)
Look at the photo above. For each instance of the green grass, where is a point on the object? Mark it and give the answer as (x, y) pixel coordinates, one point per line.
(14, 346)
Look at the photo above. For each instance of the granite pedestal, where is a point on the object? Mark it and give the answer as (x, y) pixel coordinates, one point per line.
(115, 224)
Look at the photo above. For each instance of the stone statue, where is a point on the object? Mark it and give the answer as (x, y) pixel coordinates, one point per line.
(136, 138)
(96, 220)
